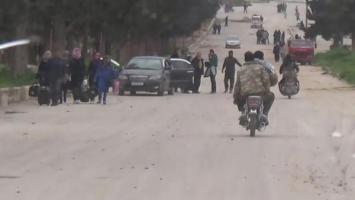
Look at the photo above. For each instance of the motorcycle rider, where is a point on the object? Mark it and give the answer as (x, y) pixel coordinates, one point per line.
(288, 65)
(253, 79)
(229, 67)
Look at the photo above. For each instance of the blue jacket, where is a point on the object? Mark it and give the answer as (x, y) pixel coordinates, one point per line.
(103, 77)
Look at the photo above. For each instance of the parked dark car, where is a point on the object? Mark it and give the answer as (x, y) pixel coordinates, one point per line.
(181, 74)
(148, 74)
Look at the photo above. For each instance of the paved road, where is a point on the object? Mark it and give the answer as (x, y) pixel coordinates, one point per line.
(186, 147)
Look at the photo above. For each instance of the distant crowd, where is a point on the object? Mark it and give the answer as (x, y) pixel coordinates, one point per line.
(65, 71)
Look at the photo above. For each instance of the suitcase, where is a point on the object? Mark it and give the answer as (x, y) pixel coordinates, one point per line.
(43, 96)
(93, 93)
(85, 96)
(34, 90)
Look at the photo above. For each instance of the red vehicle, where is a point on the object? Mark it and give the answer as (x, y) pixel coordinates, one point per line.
(301, 51)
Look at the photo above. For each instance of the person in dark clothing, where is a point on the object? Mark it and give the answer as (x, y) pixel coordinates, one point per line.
(103, 78)
(219, 27)
(283, 36)
(229, 68)
(288, 65)
(66, 79)
(56, 76)
(245, 7)
(175, 54)
(213, 64)
(43, 69)
(94, 64)
(226, 21)
(277, 52)
(259, 35)
(198, 65)
(215, 28)
(275, 37)
(77, 71)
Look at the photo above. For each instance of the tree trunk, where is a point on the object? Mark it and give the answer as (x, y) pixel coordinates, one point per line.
(59, 34)
(102, 47)
(19, 55)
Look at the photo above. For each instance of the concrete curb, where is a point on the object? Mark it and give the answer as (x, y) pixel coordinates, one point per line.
(13, 95)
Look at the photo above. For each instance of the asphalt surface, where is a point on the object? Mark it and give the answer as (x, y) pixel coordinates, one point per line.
(186, 146)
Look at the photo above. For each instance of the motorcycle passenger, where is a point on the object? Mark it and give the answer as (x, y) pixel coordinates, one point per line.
(289, 68)
(253, 79)
(259, 58)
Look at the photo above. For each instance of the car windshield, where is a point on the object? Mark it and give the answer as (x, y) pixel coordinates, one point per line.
(233, 38)
(145, 63)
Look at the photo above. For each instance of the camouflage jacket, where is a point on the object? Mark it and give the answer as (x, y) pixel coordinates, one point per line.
(252, 79)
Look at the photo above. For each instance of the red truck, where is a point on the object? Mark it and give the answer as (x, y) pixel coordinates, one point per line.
(301, 51)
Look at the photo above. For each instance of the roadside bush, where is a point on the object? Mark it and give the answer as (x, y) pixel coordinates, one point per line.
(6, 79)
(341, 62)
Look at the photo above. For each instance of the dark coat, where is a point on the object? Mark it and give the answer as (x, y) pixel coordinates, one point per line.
(94, 65)
(195, 64)
(56, 70)
(77, 71)
(43, 73)
(103, 77)
(229, 64)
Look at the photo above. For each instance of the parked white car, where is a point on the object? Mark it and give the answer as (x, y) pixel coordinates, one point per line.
(233, 42)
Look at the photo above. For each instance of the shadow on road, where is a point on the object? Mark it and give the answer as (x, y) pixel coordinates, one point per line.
(259, 136)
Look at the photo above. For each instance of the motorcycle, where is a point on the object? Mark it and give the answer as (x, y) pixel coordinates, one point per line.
(289, 85)
(254, 115)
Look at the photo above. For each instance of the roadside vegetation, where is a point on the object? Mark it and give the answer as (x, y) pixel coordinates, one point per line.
(123, 28)
(6, 79)
(340, 62)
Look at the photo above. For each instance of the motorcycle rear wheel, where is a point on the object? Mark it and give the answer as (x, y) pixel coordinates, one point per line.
(252, 125)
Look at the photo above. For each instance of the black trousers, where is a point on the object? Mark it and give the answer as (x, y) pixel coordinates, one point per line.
(55, 88)
(213, 83)
(197, 82)
(229, 78)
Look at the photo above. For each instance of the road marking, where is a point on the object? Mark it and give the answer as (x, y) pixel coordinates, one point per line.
(337, 135)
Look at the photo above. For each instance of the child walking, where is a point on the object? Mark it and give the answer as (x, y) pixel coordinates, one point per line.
(103, 77)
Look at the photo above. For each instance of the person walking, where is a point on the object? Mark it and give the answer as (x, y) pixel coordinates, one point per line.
(43, 69)
(56, 77)
(66, 80)
(283, 37)
(103, 77)
(275, 37)
(94, 65)
(229, 69)
(245, 8)
(213, 60)
(198, 65)
(297, 13)
(77, 71)
(277, 52)
(226, 20)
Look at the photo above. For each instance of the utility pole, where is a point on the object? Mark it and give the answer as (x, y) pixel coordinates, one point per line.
(307, 3)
